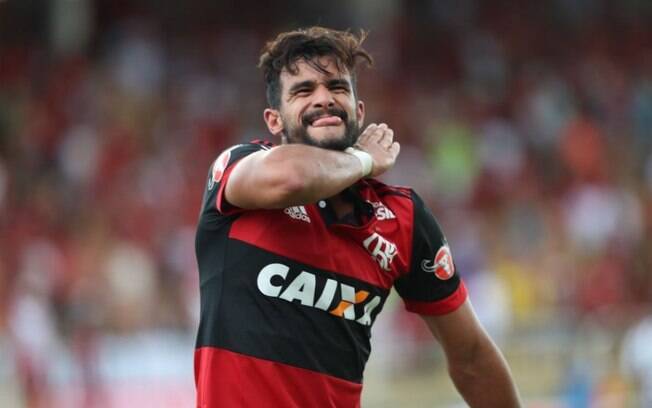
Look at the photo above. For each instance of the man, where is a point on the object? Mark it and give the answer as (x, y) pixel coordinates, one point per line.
(298, 247)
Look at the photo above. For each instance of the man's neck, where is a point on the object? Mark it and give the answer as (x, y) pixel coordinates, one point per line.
(343, 208)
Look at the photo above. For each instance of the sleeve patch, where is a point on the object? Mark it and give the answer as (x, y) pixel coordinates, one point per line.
(219, 166)
(217, 177)
(442, 265)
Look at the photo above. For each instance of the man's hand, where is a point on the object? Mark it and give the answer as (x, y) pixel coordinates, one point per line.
(378, 141)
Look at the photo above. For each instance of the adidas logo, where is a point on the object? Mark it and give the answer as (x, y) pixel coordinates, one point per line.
(298, 213)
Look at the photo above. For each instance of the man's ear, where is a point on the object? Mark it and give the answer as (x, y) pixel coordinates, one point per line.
(360, 110)
(273, 121)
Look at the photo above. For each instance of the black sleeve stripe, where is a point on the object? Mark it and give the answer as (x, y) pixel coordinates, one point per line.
(422, 283)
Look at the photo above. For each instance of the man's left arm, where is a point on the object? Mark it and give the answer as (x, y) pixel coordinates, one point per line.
(433, 289)
(475, 364)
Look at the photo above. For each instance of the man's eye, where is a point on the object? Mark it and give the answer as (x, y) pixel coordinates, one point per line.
(304, 91)
(340, 88)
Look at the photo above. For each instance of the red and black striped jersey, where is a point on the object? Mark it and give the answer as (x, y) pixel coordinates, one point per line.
(288, 296)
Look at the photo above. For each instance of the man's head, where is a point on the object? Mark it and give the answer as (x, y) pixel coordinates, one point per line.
(310, 78)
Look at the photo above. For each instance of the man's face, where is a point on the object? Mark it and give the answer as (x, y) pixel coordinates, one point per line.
(318, 108)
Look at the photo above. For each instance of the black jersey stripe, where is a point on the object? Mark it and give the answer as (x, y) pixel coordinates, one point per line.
(236, 316)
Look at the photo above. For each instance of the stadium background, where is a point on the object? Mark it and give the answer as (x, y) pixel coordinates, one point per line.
(526, 125)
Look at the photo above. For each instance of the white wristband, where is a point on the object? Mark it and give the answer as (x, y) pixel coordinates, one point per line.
(365, 159)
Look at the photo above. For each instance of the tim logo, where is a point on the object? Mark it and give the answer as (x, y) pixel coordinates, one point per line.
(338, 299)
(381, 249)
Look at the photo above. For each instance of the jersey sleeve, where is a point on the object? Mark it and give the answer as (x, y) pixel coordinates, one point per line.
(218, 177)
(432, 285)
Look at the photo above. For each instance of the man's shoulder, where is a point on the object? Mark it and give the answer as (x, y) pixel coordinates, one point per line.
(382, 189)
(250, 146)
(389, 201)
(263, 143)
(395, 196)
(237, 151)
(255, 144)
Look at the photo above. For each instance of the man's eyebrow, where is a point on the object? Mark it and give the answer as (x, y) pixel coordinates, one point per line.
(338, 82)
(303, 84)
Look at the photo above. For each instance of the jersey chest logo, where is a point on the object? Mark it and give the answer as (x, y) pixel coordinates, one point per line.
(351, 304)
(381, 249)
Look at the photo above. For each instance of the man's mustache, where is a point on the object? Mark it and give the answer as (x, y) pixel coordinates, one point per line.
(310, 117)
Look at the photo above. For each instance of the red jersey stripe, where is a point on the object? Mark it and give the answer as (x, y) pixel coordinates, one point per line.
(226, 379)
(443, 306)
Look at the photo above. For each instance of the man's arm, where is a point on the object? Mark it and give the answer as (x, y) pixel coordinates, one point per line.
(476, 366)
(296, 174)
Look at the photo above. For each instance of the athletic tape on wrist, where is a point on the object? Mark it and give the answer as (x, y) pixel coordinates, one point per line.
(365, 159)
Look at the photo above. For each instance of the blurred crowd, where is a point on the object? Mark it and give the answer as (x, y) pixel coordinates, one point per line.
(527, 128)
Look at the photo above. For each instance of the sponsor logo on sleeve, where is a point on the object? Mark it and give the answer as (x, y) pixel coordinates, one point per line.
(219, 166)
(442, 266)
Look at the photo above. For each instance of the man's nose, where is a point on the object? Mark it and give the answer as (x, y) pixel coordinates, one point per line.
(322, 98)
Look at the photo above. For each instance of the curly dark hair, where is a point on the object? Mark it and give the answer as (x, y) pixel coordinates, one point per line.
(288, 48)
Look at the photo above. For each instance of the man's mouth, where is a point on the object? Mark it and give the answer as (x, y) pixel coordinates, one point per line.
(327, 121)
(324, 118)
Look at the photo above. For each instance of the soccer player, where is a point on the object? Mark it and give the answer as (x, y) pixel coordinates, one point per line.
(298, 247)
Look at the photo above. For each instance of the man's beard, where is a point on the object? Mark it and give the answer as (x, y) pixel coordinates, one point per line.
(300, 134)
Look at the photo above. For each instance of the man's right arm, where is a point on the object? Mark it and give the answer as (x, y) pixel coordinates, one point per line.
(297, 174)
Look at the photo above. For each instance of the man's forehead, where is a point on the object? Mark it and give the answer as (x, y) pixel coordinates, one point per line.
(305, 68)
